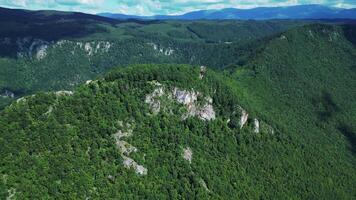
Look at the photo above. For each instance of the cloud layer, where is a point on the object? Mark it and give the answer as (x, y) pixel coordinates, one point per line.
(153, 7)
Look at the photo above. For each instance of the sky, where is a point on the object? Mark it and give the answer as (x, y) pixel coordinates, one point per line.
(157, 7)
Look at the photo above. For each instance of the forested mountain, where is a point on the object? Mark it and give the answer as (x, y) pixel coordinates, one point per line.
(48, 25)
(168, 131)
(313, 11)
(47, 50)
(304, 80)
(178, 109)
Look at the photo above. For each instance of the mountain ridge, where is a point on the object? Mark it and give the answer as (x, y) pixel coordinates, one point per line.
(262, 110)
(312, 11)
(62, 53)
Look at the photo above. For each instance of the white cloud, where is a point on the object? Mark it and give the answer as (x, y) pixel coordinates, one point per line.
(344, 5)
(152, 7)
(46, 3)
(79, 2)
(14, 3)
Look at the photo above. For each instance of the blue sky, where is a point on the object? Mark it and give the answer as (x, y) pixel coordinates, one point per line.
(152, 7)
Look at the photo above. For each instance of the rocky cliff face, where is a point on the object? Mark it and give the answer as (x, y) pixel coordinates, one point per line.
(153, 98)
(189, 99)
(167, 51)
(28, 47)
(161, 97)
(39, 49)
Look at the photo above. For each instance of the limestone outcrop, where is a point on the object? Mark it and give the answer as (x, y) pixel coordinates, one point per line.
(188, 154)
(126, 149)
(188, 98)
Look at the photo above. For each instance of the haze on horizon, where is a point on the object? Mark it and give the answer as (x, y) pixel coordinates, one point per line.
(160, 7)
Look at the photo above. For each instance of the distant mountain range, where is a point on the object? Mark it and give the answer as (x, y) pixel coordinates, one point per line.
(292, 12)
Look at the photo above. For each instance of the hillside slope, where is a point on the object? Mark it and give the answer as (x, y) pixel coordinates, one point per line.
(160, 132)
(310, 69)
(48, 25)
(49, 50)
(304, 81)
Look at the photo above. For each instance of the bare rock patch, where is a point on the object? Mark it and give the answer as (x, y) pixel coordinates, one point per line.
(188, 98)
(188, 154)
(126, 149)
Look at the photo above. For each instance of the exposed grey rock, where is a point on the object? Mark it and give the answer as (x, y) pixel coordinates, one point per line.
(103, 46)
(187, 98)
(126, 149)
(155, 46)
(88, 48)
(207, 112)
(22, 99)
(88, 150)
(11, 194)
(61, 42)
(140, 170)
(256, 126)
(153, 99)
(120, 123)
(244, 118)
(162, 50)
(120, 134)
(7, 93)
(64, 93)
(187, 154)
(41, 52)
(169, 51)
(203, 183)
(202, 72)
(29, 46)
(129, 163)
(111, 177)
(49, 111)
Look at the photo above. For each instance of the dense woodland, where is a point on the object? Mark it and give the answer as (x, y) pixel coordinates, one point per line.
(216, 44)
(297, 78)
(70, 151)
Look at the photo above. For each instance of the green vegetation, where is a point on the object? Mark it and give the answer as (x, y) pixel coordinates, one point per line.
(68, 141)
(304, 81)
(31, 58)
(295, 79)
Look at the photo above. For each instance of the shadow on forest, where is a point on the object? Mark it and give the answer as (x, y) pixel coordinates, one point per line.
(350, 135)
(326, 107)
(350, 32)
(48, 26)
